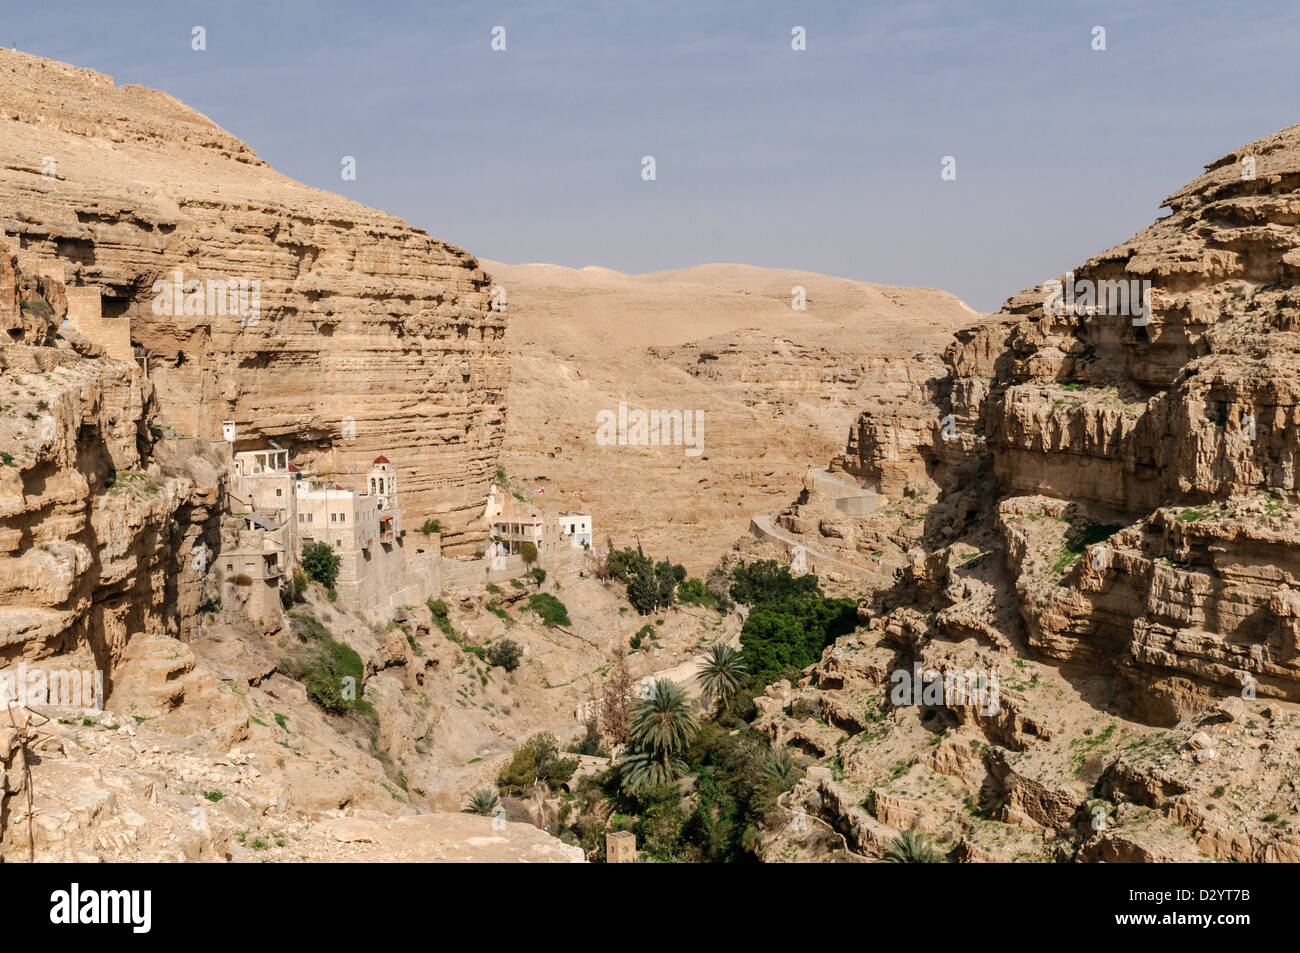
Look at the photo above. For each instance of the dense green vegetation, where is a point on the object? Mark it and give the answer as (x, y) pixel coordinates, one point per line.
(692, 788)
(661, 726)
(650, 585)
(551, 609)
(321, 563)
(723, 673)
(331, 671)
(536, 761)
(737, 779)
(790, 621)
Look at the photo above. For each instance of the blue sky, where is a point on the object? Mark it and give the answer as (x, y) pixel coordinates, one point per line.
(827, 160)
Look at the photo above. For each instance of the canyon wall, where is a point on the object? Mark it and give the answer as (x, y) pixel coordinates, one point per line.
(100, 516)
(364, 335)
(1176, 415)
(1095, 509)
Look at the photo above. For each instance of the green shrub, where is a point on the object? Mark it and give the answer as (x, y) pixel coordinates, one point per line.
(642, 635)
(590, 743)
(483, 802)
(650, 585)
(430, 527)
(693, 592)
(438, 609)
(537, 761)
(323, 665)
(507, 653)
(551, 609)
(292, 590)
(321, 563)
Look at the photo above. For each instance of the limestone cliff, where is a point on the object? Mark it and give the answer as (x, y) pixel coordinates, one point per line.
(97, 515)
(364, 335)
(1098, 503)
(1141, 419)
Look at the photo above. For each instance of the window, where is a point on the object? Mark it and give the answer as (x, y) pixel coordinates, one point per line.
(343, 517)
(309, 518)
(334, 517)
(279, 492)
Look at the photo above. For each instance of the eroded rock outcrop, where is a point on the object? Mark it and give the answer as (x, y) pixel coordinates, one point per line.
(1098, 504)
(365, 335)
(95, 533)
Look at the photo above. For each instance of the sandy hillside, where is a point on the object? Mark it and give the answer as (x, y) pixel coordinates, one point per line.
(777, 387)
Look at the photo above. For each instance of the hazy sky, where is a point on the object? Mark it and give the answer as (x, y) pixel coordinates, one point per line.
(827, 159)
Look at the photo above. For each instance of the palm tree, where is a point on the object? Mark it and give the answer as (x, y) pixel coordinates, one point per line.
(483, 802)
(722, 671)
(781, 769)
(641, 770)
(660, 728)
(912, 848)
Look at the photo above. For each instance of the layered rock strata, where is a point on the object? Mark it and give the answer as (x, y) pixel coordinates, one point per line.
(353, 333)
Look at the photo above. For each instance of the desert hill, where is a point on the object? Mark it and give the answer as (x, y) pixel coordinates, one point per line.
(776, 386)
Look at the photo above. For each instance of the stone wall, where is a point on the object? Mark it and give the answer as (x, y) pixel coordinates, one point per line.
(85, 315)
(476, 573)
(385, 577)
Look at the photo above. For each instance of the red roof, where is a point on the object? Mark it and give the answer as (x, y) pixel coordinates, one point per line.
(293, 468)
(386, 516)
(381, 459)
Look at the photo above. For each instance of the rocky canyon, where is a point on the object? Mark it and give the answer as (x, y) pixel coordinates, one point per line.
(903, 581)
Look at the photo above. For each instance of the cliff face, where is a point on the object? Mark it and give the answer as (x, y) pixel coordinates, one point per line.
(1098, 504)
(358, 335)
(1141, 416)
(97, 522)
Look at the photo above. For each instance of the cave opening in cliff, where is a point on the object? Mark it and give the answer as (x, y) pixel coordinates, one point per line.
(114, 307)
